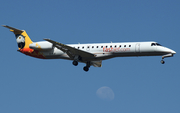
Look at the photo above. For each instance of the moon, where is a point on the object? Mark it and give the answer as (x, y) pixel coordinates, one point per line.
(105, 93)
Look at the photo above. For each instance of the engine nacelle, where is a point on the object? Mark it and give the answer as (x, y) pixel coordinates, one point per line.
(43, 45)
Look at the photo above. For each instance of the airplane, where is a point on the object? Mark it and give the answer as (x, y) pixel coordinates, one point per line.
(90, 54)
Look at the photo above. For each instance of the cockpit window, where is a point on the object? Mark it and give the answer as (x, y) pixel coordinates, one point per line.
(158, 44)
(153, 44)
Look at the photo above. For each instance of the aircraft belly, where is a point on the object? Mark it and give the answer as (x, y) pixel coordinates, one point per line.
(123, 54)
(57, 57)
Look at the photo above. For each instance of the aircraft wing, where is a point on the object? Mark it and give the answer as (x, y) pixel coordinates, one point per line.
(70, 51)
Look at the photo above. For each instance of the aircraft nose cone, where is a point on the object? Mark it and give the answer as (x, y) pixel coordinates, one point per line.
(166, 50)
(173, 52)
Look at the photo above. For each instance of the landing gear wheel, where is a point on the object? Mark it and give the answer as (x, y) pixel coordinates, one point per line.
(75, 63)
(162, 61)
(86, 68)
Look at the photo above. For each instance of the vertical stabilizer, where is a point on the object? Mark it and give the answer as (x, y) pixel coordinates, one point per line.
(22, 38)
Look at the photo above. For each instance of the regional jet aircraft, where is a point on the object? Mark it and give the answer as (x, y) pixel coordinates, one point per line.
(90, 54)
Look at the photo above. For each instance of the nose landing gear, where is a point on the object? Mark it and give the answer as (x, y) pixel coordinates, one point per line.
(168, 55)
(162, 61)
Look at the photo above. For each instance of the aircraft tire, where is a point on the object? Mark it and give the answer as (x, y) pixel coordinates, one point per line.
(75, 63)
(162, 61)
(86, 68)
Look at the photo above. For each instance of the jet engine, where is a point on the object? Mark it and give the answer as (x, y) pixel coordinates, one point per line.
(43, 45)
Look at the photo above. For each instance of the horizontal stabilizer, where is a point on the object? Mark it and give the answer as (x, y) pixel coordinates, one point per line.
(16, 31)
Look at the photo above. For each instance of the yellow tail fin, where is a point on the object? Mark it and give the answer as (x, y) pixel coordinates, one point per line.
(22, 38)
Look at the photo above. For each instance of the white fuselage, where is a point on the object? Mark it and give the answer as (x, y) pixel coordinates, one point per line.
(109, 50)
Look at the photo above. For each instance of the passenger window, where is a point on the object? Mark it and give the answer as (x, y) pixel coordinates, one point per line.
(97, 46)
(88, 47)
(110, 46)
(101, 46)
(124, 45)
(78, 47)
(115, 46)
(106, 46)
(120, 46)
(129, 45)
(83, 47)
(92, 46)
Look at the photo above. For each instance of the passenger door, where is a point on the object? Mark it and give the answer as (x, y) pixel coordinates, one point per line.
(137, 48)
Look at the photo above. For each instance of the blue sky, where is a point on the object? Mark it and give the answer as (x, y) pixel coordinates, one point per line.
(140, 84)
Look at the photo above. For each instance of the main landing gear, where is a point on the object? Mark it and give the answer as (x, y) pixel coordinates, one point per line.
(78, 58)
(86, 68)
(75, 63)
